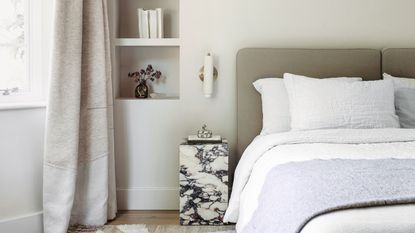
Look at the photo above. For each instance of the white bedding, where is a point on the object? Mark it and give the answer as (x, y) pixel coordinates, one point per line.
(391, 219)
(265, 152)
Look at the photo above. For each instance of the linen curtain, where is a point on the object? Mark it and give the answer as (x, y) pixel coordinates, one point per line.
(79, 178)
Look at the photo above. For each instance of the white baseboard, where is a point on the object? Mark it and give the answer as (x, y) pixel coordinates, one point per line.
(152, 198)
(32, 223)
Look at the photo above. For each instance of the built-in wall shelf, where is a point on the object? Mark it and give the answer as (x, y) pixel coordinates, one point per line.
(163, 58)
(172, 42)
(132, 53)
(141, 122)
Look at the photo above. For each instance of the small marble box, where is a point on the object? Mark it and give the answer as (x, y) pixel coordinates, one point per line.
(203, 183)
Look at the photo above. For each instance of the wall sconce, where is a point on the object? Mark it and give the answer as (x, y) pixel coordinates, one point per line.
(207, 74)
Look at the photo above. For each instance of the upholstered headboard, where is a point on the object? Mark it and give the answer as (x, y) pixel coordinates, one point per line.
(253, 64)
(399, 62)
(256, 63)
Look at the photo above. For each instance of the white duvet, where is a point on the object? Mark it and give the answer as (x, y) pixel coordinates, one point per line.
(266, 152)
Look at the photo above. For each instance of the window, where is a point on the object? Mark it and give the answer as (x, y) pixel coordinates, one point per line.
(21, 55)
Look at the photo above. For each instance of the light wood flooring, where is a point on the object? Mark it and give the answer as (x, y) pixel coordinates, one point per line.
(148, 217)
(162, 221)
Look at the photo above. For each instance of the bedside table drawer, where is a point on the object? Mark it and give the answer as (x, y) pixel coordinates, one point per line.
(203, 183)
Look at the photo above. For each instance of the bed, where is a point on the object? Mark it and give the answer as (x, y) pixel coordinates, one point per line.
(263, 153)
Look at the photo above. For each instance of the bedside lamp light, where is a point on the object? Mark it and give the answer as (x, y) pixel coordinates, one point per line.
(207, 74)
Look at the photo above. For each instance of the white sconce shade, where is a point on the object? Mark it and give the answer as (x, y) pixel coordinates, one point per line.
(208, 76)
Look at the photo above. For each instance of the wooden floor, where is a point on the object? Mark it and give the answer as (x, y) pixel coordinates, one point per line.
(163, 221)
(148, 217)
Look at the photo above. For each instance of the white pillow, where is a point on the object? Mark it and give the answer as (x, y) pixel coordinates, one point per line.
(404, 100)
(275, 110)
(326, 104)
(400, 82)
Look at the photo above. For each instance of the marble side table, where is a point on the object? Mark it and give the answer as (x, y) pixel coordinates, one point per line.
(203, 183)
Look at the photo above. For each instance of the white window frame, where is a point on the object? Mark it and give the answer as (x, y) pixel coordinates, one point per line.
(36, 58)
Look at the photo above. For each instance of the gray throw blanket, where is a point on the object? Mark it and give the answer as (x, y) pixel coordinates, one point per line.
(294, 193)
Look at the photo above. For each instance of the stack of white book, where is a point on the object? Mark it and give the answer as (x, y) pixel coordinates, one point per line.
(150, 23)
(196, 139)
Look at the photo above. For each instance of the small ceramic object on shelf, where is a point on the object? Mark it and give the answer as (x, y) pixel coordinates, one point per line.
(141, 77)
(158, 95)
(141, 91)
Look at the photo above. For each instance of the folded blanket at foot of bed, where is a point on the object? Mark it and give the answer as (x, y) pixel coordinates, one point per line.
(294, 193)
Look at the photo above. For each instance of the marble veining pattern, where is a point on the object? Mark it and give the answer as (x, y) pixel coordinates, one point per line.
(203, 183)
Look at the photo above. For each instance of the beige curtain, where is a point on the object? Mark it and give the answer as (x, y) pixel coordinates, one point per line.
(79, 179)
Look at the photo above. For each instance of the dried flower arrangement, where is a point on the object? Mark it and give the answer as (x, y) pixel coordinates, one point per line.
(141, 77)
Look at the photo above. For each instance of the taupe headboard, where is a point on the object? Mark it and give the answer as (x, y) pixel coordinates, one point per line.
(399, 62)
(253, 64)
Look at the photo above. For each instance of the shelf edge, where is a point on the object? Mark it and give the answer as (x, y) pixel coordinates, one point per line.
(166, 42)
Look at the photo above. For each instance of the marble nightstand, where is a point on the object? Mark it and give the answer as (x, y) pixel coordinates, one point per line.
(203, 183)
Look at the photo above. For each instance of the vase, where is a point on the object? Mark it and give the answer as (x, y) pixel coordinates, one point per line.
(141, 91)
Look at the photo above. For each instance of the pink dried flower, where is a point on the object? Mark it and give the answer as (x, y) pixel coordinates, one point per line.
(143, 75)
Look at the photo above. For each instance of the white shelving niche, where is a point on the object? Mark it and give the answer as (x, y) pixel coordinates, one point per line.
(133, 53)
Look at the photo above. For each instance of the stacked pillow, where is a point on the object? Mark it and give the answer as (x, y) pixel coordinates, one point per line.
(330, 104)
(275, 110)
(304, 103)
(404, 100)
(276, 117)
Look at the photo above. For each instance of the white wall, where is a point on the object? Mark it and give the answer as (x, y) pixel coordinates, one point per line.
(21, 153)
(148, 133)
(21, 133)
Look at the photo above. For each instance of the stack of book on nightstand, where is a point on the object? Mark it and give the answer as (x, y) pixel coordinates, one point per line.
(150, 23)
(196, 139)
